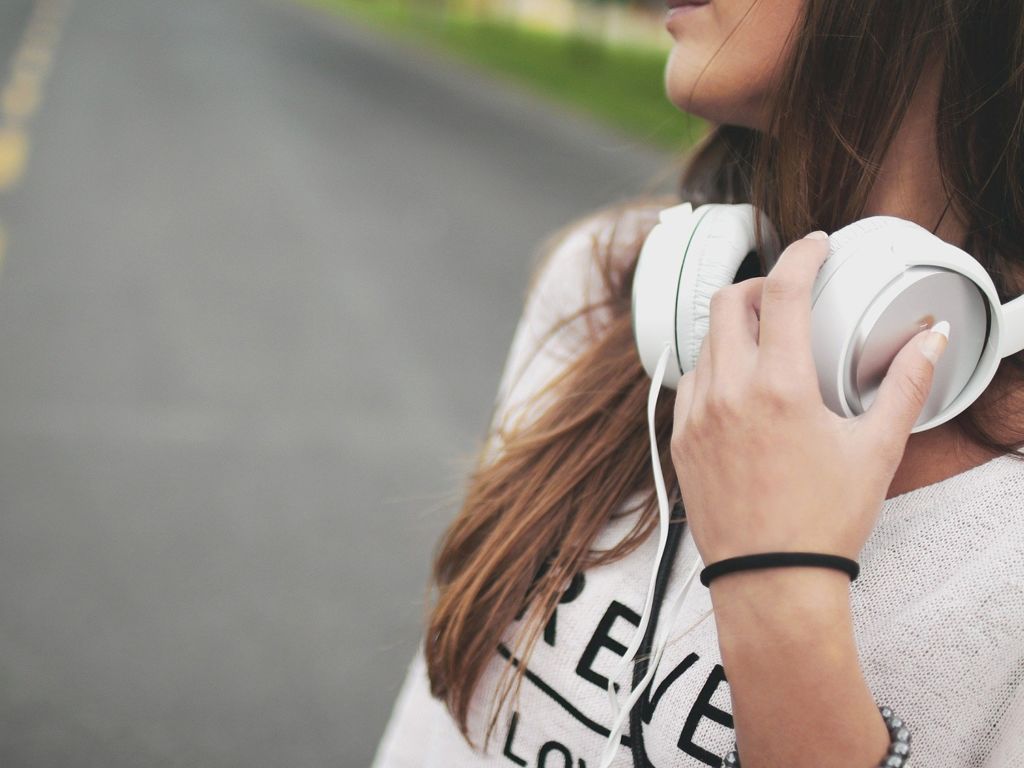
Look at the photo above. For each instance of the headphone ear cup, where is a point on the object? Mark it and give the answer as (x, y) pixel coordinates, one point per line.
(885, 280)
(722, 241)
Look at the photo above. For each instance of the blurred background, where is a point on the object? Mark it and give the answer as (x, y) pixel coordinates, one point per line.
(260, 265)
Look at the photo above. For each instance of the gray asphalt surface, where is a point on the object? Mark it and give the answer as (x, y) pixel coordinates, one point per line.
(262, 273)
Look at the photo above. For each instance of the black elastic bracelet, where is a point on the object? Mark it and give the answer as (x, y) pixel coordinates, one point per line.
(772, 559)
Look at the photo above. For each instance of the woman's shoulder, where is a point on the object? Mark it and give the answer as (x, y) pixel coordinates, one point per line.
(612, 235)
(573, 268)
(564, 301)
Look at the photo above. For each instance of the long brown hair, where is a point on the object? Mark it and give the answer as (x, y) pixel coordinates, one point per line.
(530, 516)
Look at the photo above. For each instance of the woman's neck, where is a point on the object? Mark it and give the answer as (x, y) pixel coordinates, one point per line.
(909, 186)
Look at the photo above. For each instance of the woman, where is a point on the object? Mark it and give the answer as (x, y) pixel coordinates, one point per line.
(826, 111)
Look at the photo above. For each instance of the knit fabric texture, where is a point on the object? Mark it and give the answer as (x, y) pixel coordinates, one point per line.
(938, 613)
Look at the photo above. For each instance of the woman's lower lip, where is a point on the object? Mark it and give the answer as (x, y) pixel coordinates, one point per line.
(682, 10)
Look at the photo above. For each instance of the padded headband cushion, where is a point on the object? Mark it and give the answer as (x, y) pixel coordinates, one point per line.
(723, 237)
(844, 242)
(841, 238)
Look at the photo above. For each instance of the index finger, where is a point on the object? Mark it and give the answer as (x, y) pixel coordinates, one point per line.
(785, 320)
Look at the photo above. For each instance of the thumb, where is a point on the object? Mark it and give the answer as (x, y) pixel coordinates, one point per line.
(908, 382)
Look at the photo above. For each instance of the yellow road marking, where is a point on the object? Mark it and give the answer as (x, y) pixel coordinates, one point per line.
(21, 96)
(34, 56)
(13, 156)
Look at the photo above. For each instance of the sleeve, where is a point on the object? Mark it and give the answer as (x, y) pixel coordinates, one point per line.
(1008, 749)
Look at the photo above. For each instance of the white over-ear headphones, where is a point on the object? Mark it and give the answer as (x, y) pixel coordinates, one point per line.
(885, 279)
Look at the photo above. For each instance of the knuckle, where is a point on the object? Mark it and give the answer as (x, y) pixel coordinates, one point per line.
(696, 421)
(792, 271)
(677, 447)
(719, 299)
(750, 283)
(804, 247)
(777, 393)
(780, 286)
(914, 389)
(723, 402)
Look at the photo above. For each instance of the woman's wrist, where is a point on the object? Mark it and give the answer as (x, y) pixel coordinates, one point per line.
(790, 658)
(776, 597)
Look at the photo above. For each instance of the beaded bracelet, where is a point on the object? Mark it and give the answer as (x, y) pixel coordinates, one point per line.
(896, 757)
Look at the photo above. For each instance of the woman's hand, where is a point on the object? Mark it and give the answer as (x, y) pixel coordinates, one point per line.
(763, 464)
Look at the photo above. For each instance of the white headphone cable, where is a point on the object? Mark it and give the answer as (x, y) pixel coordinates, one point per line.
(621, 714)
(663, 515)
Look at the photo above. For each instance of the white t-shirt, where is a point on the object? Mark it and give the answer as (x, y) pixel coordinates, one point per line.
(938, 614)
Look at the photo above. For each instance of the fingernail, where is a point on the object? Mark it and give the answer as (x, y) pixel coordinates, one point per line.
(816, 235)
(934, 343)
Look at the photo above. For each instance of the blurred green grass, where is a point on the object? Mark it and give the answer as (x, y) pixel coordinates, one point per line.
(620, 85)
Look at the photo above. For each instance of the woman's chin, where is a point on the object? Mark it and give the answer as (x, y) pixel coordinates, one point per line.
(701, 91)
(681, 88)
(708, 103)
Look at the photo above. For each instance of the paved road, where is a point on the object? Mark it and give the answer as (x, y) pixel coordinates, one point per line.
(262, 269)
